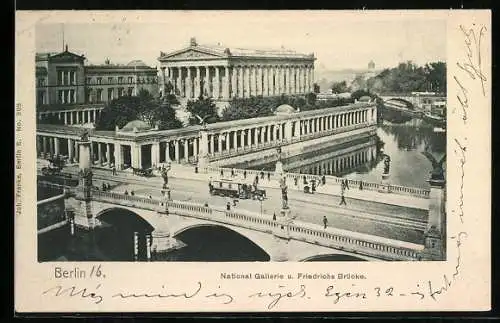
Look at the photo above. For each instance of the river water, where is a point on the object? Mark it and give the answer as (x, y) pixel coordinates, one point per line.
(403, 140)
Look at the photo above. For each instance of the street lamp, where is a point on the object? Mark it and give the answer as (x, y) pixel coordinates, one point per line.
(261, 199)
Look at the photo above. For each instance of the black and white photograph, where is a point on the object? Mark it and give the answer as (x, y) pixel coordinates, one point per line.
(207, 142)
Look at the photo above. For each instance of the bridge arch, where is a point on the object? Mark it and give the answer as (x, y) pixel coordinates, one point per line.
(261, 244)
(333, 257)
(408, 104)
(122, 234)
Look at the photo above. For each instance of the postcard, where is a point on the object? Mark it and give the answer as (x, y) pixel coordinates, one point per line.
(252, 161)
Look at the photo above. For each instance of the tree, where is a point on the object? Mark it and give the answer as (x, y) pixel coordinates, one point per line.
(316, 88)
(340, 87)
(356, 95)
(144, 106)
(204, 108)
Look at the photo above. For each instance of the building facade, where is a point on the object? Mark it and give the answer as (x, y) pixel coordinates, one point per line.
(64, 79)
(224, 73)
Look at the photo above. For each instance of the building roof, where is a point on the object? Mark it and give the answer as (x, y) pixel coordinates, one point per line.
(137, 62)
(222, 51)
(136, 126)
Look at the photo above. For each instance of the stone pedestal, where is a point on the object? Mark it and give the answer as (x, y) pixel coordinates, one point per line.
(279, 168)
(435, 233)
(384, 184)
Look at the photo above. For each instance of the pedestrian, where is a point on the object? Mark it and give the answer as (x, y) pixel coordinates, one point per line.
(232, 172)
(268, 176)
(234, 202)
(261, 175)
(346, 184)
(103, 187)
(296, 180)
(126, 192)
(342, 198)
(256, 180)
(108, 186)
(305, 180)
(221, 172)
(132, 193)
(228, 206)
(274, 216)
(360, 185)
(313, 186)
(206, 204)
(325, 222)
(150, 197)
(245, 174)
(113, 170)
(323, 180)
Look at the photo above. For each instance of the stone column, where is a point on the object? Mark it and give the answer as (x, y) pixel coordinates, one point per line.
(178, 83)
(262, 135)
(155, 153)
(185, 143)
(234, 83)
(195, 147)
(288, 80)
(189, 84)
(71, 144)
(176, 143)
(95, 115)
(197, 79)
(118, 156)
(77, 117)
(167, 151)
(259, 80)
(56, 146)
(241, 82)
(268, 133)
(212, 144)
(227, 82)
(108, 154)
(99, 153)
(235, 139)
(135, 155)
(77, 152)
(246, 77)
(216, 94)
(242, 138)
(219, 143)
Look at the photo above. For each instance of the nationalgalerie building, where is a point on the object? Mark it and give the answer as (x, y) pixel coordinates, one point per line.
(225, 73)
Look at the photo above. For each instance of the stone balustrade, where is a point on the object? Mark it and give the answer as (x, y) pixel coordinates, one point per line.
(339, 239)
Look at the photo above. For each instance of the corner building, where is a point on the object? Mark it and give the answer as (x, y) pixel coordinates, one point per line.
(225, 73)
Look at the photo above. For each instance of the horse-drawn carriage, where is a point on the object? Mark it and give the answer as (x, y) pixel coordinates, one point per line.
(234, 189)
(146, 172)
(55, 166)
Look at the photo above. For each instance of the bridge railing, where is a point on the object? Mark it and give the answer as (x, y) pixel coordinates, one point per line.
(311, 233)
(329, 179)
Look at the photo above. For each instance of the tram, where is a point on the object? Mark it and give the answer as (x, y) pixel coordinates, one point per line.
(235, 189)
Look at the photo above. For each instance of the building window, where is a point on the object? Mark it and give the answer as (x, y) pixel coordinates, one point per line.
(120, 80)
(130, 91)
(99, 80)
(99, 95)
(66, 78)
(110, 80)
(60, 96)
(89, 80)
(130, 80)
(40, 98)
(110, 94)
(120, 92)
(41, 81)
(72, 77)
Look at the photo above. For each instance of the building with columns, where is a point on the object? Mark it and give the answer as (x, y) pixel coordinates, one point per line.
(225, 73)
(69, 89)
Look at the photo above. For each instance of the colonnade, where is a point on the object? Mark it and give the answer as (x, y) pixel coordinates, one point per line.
(239, 81)
(220, 140)
(71, 117)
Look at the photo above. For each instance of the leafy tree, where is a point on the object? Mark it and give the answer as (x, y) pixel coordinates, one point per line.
(340, 87)
(144, 106)
(356, 95)
(52, 119)
(316, 88)
(205, 108)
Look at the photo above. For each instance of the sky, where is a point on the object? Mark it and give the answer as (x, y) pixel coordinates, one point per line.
(338, 41)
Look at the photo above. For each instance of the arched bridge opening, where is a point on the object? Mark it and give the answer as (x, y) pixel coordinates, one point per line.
(212, 242)
(333, 257)
(118, 233)
(407, 103)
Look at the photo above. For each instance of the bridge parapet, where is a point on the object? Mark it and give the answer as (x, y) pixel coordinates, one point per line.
(354, 242)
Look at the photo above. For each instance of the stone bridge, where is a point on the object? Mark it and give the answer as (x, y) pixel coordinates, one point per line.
(282, 239)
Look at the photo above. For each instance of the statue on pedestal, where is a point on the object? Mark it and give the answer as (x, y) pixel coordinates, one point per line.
(284, 193)
(437, 172)
(164, 175)
(85, 135)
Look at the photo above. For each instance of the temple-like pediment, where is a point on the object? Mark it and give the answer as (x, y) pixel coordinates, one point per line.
(66, 57)
(191, 54)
